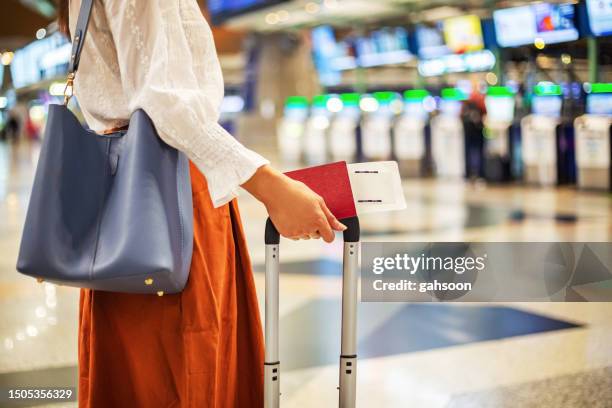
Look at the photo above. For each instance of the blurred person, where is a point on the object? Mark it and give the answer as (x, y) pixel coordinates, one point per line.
(31, 129)
(12, 127)
(473, 112)
(204, 346)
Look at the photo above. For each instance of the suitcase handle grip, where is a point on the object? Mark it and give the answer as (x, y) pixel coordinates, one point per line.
(272, 236)
(351, 234)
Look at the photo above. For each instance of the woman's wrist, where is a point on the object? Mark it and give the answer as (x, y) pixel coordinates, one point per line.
(263, 183)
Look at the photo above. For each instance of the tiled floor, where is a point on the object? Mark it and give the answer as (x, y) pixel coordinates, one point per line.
(413, 355)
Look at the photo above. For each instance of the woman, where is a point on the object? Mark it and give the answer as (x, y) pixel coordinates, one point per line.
(202, 347)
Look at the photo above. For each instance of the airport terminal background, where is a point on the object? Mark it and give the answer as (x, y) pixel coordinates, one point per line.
(499, 115)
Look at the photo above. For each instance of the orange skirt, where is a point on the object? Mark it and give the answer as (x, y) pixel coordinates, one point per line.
(200, 348)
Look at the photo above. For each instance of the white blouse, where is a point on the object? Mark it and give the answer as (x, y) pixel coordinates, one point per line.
(159, 55)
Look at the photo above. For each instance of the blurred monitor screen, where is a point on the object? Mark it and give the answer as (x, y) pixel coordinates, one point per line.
(388, 45)
(500, 108)
(330, 56)
(463, 34)
(547, 105)
(221, 10)
(552, 23)
(455, 35)
(42, 59)
(450, 107)
(599, 104)
(600, 16)
(430, 40)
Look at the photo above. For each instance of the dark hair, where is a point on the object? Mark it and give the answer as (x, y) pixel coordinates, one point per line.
(62, 16)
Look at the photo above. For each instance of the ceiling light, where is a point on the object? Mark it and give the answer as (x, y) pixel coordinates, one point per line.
(566, 59)
(272, 18)
(283, 15)
(7, 58)
(491, 78)
(539, 43)
(41, 33)
(312, 8)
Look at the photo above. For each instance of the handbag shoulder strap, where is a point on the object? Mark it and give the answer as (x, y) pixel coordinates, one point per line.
(77, 44)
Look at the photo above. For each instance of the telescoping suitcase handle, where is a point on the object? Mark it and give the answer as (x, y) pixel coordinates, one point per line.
(348, 347)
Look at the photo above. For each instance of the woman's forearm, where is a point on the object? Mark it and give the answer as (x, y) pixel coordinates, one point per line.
(263, 183)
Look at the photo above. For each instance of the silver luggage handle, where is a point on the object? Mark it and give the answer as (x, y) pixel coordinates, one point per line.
(348, 348)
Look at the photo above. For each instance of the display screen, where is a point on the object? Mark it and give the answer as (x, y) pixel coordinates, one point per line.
(500, 108)
(389, 45)
(599, 104)
(42, 59)
(223, 9)
(430, 40)
(330, 56)
(463, 34)
(600, 16)
(551, 23)
(455, 35)
(547, 105)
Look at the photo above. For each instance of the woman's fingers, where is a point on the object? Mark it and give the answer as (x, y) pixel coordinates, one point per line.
(324, 229)
(331, 219)
(315, 235)
(310, 235)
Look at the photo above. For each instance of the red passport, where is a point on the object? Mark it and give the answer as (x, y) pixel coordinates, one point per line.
(330, 181)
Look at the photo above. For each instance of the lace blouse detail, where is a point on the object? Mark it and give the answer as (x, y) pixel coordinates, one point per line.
(159, 56)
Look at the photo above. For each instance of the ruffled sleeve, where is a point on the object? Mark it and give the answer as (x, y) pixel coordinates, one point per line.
(159, 74)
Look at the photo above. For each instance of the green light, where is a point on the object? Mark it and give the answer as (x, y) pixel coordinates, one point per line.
(415, 94)
(350, 99)
(296, 102)
(601, 88)
(499, 91)
(453, 94)
(384, 97)
(320, 100)
(547, 89)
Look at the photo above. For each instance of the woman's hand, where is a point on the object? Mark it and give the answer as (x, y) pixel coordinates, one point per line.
(296, 211)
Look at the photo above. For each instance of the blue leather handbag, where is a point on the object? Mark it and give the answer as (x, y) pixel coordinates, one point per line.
(108, 212)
